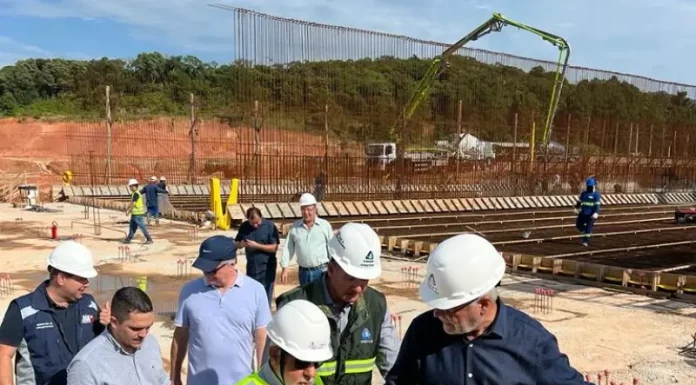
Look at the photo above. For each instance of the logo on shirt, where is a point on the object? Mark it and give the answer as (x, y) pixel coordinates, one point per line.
(369, 260)
(366, 336)
(431, 284)
(87, 318)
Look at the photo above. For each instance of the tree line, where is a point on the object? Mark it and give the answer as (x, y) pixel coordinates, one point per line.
(364, 97)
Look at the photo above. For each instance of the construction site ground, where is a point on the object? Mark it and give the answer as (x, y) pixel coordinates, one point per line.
(627, 334)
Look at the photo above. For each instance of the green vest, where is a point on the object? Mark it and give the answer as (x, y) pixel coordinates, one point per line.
(355, 350)
(138, 206)
(255, 379)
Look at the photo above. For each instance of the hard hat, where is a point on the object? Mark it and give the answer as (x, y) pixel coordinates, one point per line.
(132, 182)
(307, 199)
(73, 258)
(461, 269)
(302, 330)
(163, 178)
(591, 182)
(153, 179)
(357, 249)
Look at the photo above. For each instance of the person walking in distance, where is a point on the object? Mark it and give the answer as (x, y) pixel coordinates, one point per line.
(125, 354)
(43, 330)
(300, 342)
(137, 212)
(260, 240)
(307, 238)
(151, 191)
(219, 319)
(471, 336)
(363, 336)
(587, 209)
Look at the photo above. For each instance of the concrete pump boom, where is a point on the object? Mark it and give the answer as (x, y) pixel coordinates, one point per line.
(494, 24)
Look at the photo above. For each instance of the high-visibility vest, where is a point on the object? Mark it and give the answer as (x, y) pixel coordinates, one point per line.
(139, 206)
(255, 379)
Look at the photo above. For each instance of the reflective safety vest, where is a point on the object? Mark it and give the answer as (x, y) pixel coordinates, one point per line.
(355, 350)
(255, 379)
(589, 202)
(139, 206)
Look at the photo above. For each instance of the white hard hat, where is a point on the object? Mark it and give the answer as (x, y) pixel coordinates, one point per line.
(163, 178)
(461, 269)
(302, 330)
(73, 258)
(132, 182)
(357, 249)
(153, 179)
(307, 199)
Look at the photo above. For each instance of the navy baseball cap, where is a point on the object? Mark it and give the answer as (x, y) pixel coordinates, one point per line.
(213, 251)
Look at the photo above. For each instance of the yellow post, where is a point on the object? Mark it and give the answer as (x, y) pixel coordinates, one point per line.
(531, 147)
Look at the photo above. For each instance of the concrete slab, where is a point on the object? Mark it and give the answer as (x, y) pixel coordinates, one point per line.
(538, 202)
(417, 206)
(236, 212)
(295, 206)
(341, 208)
(275, 212)
(352, 210)
(409, 206)
(380, 208)
(442, 205)
(286, 210)
(371, 208)
(514, 202)
(456, 204)
(362, 210)
(555, 201)
(331, 210)
(475, 204)
(400, 207)
(245, 206)
(391, 208)
(426, 206)
(264, 210)
(321, 211)
(436, 208)
(479, 203)
(465, 203)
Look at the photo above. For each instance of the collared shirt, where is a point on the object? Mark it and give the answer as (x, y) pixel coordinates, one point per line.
(103, 361)
(259, 261)
(516, 349)
(389, 342)
(310, 244)
(221, 328)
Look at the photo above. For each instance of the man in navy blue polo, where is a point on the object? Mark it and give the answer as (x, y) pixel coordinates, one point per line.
(472, 337)
(220, 318)
(260, 240)
(44, 329)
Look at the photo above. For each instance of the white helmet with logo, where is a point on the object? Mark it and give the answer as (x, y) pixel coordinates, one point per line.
(307, 199)
(302, 330)
(357, 249)
(461, 269)
(73, 258)
(132, 182)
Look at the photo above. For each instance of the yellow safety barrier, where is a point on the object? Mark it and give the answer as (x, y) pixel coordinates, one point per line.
(223, 220)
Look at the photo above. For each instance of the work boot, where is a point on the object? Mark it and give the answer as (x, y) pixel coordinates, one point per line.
(585, 244)
(149, 242)
(126, 241)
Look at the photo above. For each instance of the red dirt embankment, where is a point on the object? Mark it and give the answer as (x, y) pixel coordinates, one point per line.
(43, 148)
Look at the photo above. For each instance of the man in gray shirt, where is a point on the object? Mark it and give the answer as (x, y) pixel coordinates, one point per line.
(125, 354)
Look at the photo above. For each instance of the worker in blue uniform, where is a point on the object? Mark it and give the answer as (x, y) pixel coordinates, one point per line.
(587, 209)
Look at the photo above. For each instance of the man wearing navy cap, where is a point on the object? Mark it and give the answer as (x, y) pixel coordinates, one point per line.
(219, 318)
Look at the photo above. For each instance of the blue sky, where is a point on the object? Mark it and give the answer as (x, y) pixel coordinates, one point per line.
(653, 38)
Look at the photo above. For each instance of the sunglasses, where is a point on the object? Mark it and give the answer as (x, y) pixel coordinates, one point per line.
(211, 272)
(302, 365)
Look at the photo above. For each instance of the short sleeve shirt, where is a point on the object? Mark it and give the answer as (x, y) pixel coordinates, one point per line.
(221, 329)
(258, 261)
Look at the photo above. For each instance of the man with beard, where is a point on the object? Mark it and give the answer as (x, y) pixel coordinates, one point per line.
(47, 327)
(125, 353)
(472, 337)
(362, 334)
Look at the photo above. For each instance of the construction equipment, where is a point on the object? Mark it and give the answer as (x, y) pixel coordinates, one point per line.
(494, 24)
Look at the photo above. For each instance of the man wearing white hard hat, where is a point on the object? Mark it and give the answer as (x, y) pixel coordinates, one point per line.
(300, 342)
(308, 239)
(471, 332)
(47, 327)
(137, 212)
(363, 336)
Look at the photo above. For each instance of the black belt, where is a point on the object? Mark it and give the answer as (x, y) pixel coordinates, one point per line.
(315, 267)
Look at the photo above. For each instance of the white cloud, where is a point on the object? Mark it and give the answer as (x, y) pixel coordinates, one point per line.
(11, 51)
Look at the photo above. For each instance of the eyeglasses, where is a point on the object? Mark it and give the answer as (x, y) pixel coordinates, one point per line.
(212, 272)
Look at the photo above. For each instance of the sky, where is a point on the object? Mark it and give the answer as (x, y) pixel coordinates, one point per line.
(652, 38)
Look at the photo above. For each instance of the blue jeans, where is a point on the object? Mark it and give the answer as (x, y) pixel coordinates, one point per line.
(153, 211)
(307, 275)
(138, 221)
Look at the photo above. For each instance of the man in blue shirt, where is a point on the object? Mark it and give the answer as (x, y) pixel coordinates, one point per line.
(260, 240)
(472, 337)
(151, 190)
(587, 209)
